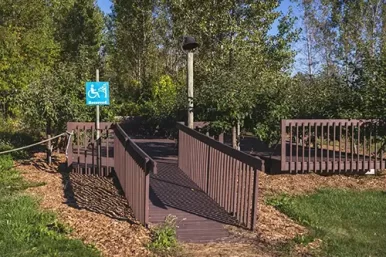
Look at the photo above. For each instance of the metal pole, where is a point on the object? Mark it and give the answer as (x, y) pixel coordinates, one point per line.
(190, 90)
(98, 131)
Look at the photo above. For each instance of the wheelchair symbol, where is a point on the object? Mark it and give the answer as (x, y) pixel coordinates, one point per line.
(92, 93)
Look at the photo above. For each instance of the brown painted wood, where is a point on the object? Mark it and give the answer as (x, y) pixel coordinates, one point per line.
(200, 219)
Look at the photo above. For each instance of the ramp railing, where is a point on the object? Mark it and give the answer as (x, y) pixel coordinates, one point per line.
(133, 167)
(228, 176)
(331, 146)
(82, 150)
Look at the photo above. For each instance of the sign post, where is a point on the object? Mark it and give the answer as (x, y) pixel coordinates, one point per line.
(97, 127)
(98, 93)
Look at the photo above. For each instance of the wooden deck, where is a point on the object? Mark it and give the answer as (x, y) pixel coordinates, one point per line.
(318, 161)
(200, 219)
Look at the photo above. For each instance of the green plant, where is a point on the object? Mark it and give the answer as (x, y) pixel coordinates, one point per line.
(348, 222)
(164, 237)
(26, 230)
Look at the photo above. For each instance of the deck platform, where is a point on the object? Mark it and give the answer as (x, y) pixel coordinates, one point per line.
(200, 219)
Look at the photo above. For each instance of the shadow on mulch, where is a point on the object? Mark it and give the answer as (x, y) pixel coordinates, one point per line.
(102, 195)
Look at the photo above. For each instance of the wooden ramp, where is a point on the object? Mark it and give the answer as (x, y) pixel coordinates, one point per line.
(200, 219)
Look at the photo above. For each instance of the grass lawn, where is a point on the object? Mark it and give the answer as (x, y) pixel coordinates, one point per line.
(25, 230)
(349, 223)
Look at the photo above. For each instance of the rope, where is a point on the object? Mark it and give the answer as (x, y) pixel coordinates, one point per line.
(38, 143)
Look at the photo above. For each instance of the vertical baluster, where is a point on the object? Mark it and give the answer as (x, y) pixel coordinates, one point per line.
(333, 147)
(243, 192)
(227, 182)
(215, 173)
(78, 148)
(247, 196)
(352, 147)
(309, 147)
(303, 143)
(358, 145)
(94, 148)
(370, 152)
(231, 183)
(236, 188)
(211, 171)
(297, 148)
(315, 147)
(328, 147)
(240, 189)
(345, 148)
(221, 179)
(107, 152)
(254, 198)
(290, 155)
(321, 147)
(340, 147)
(364, 147)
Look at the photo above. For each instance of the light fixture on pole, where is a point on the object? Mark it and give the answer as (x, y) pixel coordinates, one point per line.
(189, 45)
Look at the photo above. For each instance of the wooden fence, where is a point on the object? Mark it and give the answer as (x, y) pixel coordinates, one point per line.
(331, 146)
(228, 176)
(133, 167)
(82, 151)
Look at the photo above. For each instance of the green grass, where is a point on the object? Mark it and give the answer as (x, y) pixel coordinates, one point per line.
(25, 230)
(350, 223)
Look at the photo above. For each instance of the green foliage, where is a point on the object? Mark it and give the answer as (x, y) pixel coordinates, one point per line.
(6, 163)
(48, 50)
(164, 237)
(25, 230)
(350, 223)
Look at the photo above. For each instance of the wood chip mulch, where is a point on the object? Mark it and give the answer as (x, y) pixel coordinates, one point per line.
(92, 206)
(99, 214)
(273, 226)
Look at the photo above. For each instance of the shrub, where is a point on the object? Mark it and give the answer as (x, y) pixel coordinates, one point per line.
(164, 237)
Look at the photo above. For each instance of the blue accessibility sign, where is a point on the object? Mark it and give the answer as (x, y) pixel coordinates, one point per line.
(97, 93)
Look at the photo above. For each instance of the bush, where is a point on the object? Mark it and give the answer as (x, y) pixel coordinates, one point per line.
(164, 238)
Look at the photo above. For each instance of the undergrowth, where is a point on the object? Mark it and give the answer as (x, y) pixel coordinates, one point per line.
(164, 238)
(26, 230)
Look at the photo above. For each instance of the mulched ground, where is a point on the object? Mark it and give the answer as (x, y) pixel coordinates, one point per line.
(98, 213)
(307, 183)
(91, 206)
(275, 227)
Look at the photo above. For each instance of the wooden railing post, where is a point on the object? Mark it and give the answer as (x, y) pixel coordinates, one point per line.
(255, 198)
(283, 144)
(208, 171)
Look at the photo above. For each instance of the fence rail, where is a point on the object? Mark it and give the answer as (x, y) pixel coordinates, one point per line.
(331, 146)
(133, 167)
(82, 151)
(229, 176)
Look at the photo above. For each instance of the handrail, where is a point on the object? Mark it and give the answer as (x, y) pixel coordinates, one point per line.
(252, 161)
(287, 122)
(137, 149)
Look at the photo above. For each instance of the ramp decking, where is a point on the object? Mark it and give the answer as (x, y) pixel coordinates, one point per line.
(199, 218)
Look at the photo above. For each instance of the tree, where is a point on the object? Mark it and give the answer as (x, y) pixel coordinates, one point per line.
(27, 49)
